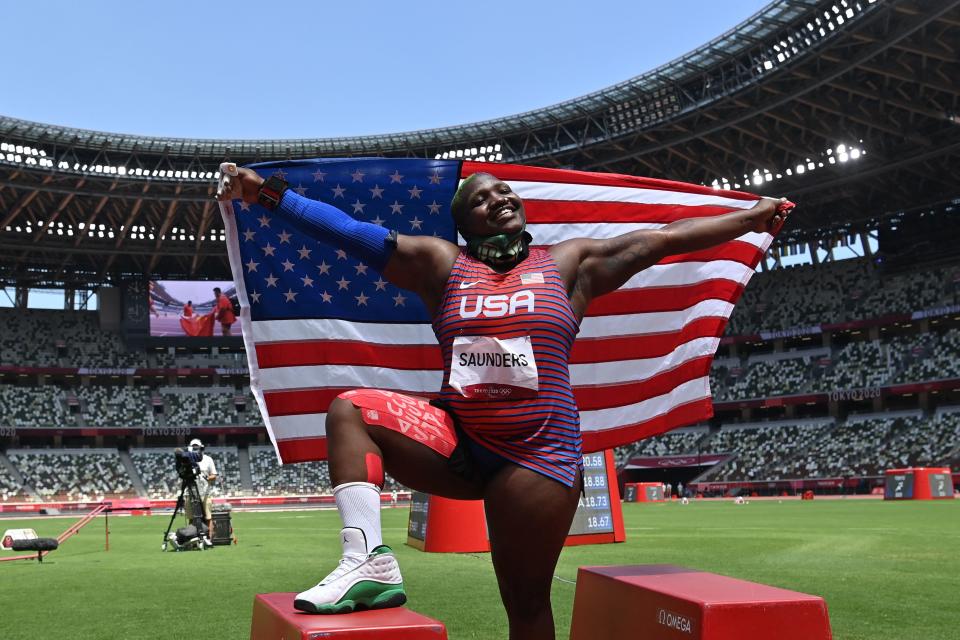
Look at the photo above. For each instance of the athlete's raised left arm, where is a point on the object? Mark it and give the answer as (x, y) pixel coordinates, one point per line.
(591, 268)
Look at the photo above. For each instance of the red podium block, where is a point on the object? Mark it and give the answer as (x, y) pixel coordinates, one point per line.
(918, 483)
(274, 618)
(459, 526)
(665, 602)
(650, 492)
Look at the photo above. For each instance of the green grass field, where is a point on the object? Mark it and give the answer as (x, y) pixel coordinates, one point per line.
(888, 571)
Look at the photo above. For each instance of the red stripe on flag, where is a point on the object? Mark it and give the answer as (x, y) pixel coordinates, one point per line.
(592, 397)
(688, 413)
(655, 299)
(297, 401)
(293, 402)
(306, 353)
(572, 211)
(735, 251)
(569, 176)
(589, 350)
(302, 449)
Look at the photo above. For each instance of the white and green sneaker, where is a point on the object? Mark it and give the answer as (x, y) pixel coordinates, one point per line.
(361, 580)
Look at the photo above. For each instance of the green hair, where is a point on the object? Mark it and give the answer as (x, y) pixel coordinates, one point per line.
(457, 202)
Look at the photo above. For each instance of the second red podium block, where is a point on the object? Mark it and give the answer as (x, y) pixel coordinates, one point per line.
(274, 618)
(662, 602)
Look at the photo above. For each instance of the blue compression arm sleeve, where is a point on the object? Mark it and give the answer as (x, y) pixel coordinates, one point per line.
(368, 242)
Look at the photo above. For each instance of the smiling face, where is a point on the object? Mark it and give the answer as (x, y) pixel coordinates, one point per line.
(487, 206)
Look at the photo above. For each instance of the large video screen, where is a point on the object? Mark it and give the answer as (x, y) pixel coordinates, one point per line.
(190, 308)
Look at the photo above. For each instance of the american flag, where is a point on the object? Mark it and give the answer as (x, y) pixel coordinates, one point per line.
(317, 322)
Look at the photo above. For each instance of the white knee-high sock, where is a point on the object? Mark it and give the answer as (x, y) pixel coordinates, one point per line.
(359, 506)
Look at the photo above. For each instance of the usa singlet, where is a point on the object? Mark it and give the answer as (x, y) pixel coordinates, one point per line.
(506, 340)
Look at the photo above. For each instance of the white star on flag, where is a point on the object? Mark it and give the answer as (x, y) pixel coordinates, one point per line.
(264, 220)
(251, 266)
(272, 280)
(378, 221)
(343, 282)
(399, 300)
(244, 206)
(287, 265)
(415, 192)
(341, 254)
(307, 281)
(416, 223)
(377, 191)
(435, 178)
(290, 295)
(318, 175)
(249, 235)
(326, 296)
(381, 284)
(302, 190)
(361, 269)
(304, 252)
(324, 267)
(434, 207)
(396, 177)
(357, 175)
(396, 207)
(361, 300)
(269, 249)
(284, 236)
(255, 297)
(358, 206)
(338, 191)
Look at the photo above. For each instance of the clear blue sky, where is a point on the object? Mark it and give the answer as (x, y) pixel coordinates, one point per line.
(294, 68)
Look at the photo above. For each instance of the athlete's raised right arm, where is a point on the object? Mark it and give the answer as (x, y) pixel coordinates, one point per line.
(418, 263)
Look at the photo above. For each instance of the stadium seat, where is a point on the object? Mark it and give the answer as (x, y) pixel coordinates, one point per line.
(661, 602)
(274, 618)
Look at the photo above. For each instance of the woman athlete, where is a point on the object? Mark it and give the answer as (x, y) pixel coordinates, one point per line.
(505, 428)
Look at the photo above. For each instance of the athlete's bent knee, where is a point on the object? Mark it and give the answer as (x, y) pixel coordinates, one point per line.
(341, 412)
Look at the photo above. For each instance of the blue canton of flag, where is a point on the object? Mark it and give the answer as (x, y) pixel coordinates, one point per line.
(291, 275)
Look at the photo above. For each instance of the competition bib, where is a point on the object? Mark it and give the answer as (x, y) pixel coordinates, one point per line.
(485, 367)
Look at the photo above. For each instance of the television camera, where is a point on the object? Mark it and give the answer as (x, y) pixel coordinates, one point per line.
(192, 536)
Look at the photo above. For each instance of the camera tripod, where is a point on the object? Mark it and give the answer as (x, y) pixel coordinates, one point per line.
(188, 486)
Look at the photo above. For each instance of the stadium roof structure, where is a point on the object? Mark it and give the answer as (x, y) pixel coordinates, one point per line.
(851, 108)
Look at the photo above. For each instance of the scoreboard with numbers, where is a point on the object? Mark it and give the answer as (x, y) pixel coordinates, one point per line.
(417, 524)
(443, 525)
(595, 510)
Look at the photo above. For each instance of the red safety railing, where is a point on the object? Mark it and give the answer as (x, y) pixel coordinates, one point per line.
(101, 509)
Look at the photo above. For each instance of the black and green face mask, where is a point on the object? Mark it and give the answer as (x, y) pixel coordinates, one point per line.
(503, 247)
